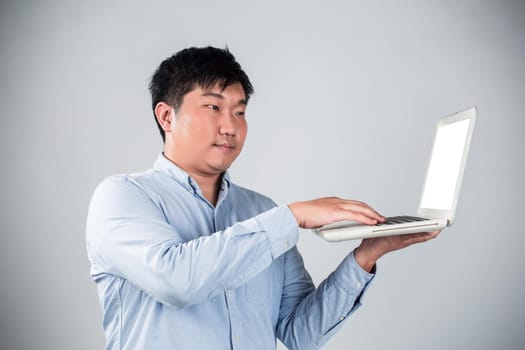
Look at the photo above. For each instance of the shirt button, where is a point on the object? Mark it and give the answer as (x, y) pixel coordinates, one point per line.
(358, 284)
(341, 318)
(236, 338)
(285, 245)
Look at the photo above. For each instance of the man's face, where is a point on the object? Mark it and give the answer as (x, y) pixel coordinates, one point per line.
(208, 131)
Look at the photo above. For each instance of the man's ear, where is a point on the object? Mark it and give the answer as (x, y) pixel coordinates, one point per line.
(164, 114)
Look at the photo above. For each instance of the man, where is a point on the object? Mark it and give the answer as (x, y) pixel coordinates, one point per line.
(185, 259)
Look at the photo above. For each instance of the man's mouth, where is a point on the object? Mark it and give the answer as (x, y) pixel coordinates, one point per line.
(225, 145)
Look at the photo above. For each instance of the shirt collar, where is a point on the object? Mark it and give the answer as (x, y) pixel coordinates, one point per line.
(164, 164)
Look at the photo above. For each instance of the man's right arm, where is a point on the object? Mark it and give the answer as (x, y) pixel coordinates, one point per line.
(128, 236)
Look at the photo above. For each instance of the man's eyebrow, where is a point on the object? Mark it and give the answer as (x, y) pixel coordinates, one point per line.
(213, 94)
(221, 97)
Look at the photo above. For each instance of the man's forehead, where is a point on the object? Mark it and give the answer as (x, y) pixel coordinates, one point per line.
(218, 90)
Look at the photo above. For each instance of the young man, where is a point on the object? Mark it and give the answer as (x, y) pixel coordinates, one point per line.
(185, 259)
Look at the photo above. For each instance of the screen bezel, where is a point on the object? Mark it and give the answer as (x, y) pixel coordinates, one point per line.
(450, 214)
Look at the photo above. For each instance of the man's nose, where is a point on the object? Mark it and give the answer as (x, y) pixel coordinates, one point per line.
(227, 124)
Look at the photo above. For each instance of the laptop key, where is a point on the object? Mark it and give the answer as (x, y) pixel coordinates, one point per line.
(399, 220)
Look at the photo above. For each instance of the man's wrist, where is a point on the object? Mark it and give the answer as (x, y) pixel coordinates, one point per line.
(294, 210)
(365, 259)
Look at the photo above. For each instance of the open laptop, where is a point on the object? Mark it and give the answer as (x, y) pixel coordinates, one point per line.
(441, 189)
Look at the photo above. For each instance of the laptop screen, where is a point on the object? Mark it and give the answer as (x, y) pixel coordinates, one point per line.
(445, 165)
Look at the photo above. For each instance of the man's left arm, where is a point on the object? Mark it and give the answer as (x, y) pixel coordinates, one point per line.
(308, 317)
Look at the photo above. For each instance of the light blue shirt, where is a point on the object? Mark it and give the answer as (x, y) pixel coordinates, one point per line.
(175, 272)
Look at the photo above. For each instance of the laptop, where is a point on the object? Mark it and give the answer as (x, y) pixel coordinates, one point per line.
(442, 185)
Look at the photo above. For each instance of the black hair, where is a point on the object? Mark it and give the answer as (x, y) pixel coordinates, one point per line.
(191, 68)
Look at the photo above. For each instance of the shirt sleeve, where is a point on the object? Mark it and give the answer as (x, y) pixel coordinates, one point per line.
(128, 236)
(308, 316)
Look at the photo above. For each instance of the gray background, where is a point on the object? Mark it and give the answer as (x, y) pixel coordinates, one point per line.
(347, 95)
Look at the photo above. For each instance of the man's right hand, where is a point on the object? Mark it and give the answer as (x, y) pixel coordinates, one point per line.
(323, 211)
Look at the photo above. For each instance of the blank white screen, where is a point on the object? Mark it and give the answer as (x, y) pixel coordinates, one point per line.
(445, 164)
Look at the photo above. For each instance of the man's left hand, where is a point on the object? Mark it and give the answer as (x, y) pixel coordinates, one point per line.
(371, 249)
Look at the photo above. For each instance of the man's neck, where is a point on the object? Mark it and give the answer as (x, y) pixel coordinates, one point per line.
(209, 184)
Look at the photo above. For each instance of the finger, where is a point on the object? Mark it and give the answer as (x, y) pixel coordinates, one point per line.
(434, 234)
(421, 237)
(363, 209)
(376, 214)
(357, 217)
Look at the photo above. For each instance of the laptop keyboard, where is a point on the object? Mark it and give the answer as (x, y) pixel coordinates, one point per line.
(400, 220)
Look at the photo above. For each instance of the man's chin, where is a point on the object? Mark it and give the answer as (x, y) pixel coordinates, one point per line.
(220, 168)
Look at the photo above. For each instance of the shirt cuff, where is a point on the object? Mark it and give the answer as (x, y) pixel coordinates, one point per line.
(281, 229)
(351, 277)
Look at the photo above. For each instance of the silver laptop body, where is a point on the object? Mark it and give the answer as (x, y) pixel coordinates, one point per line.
(441, 188)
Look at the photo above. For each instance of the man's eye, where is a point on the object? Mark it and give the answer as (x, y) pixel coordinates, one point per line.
(213, 107)
(239, 114)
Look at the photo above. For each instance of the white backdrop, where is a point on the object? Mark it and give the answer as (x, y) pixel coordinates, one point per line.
(347, 95)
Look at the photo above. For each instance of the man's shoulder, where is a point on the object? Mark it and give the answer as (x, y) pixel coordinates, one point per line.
(139, 181)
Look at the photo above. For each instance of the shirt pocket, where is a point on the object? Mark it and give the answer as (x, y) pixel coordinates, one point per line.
(257, 290)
